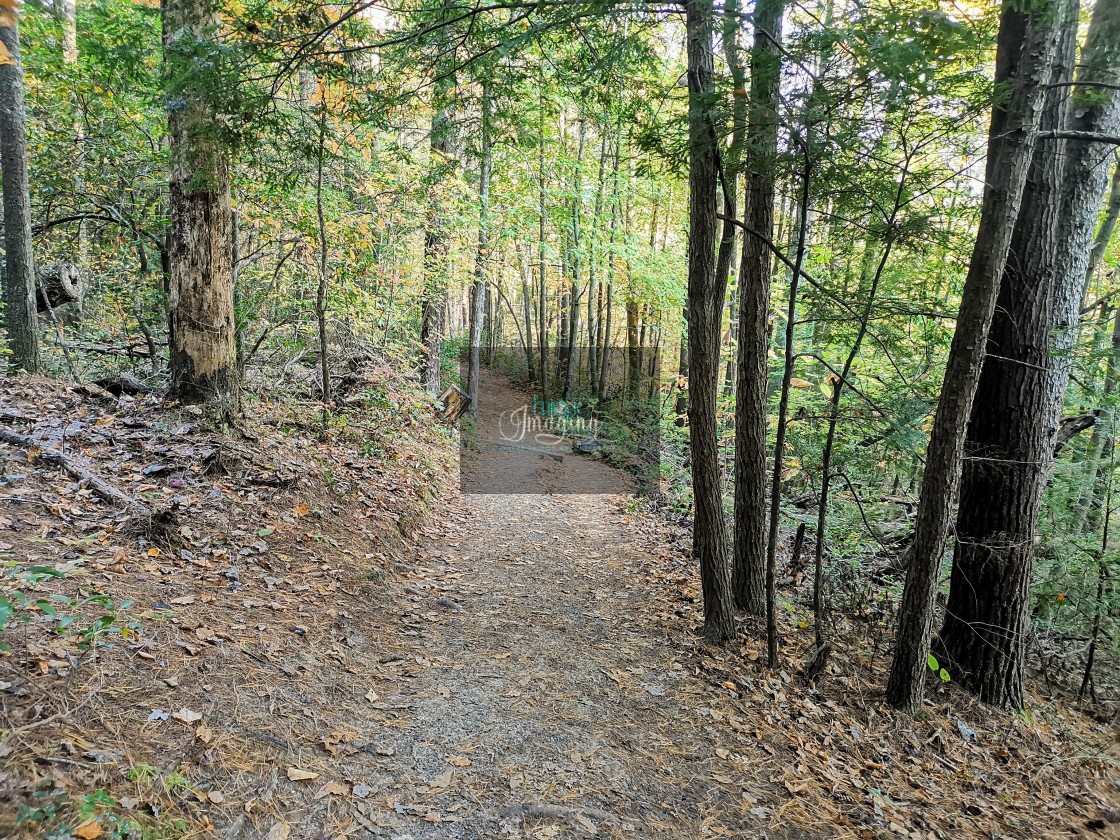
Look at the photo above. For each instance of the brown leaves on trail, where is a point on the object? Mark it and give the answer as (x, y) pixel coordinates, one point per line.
(267, 584)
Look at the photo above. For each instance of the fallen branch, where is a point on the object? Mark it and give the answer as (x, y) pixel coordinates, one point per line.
(1072, 426)
(79, 470)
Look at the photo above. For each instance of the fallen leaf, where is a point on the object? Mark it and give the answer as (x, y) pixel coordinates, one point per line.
(187, 715)
(298, 775)
(332, 789)
(280, 831)
(88, 830)
(371, 696)
(216, 797)
(458, 761)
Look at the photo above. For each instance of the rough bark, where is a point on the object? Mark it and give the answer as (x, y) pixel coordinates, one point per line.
(751, 416)
(705, 310)
(200, 293)
(1025, 50)
(1010, 439)
(19, 261)
(1013, 427)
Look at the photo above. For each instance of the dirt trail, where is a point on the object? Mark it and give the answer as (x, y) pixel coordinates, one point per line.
(546, 670)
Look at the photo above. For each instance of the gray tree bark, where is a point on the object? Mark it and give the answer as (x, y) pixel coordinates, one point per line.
(751, 415)
(706, 293)
(19, 260)
(1010, 439)
(1025, 51)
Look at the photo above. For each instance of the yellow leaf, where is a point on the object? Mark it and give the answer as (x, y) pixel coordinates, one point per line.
(298, 775)
(800, 383)
(88, 830)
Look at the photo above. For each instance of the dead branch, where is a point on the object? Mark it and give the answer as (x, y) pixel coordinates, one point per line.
(1072, 426)
(77, 468)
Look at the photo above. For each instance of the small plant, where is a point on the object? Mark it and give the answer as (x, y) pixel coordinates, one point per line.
(19, 602)
(935, 666)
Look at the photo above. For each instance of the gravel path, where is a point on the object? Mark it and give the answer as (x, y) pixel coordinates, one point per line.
(542, 698)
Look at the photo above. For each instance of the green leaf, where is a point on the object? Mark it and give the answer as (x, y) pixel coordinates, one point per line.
(264, 532)
(45, 570)
(944, 675)
(47, 608)
(931, 660)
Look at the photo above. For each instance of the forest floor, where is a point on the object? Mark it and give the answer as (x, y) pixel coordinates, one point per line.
(334, 641)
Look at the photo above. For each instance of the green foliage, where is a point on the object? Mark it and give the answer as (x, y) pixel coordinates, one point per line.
(21, 601)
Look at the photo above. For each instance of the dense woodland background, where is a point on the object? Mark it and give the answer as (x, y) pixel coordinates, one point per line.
(804, 211)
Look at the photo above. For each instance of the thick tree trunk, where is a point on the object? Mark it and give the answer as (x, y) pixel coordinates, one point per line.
(1013, 425)
(19, 260)
(1025, 51)
(482, 255)
(705, 308)
(1009, 444)
(200, 293)
(751, 416)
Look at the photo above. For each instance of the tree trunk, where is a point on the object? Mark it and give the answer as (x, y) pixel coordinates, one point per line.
(527, 309)
(633, 350)
(478, 294)
(67, 11)
(1108, 225)
(200, 295)
(751, 416)
(19, 260)
(437, 248)
(705, 308)
(542, 265)
(321, 290)
(783, 409)
(1011, 432)
(1025, 51)
(574, 260)
(680, 406)
(593, 291)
